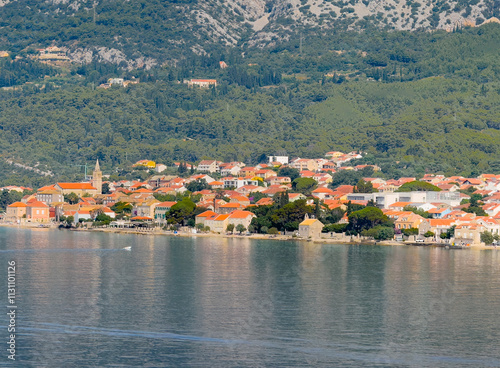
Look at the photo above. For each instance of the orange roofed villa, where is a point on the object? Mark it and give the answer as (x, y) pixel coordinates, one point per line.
(79, 189)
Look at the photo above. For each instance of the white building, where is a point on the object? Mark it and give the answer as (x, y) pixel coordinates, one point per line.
(385, 199)
(281, 159)
(208, 166)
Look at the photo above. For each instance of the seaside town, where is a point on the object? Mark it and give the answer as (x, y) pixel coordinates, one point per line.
(290, 198)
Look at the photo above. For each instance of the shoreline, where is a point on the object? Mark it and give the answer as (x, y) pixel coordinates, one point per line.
(250, 236)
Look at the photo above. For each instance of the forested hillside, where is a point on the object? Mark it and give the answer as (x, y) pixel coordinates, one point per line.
(415, 101)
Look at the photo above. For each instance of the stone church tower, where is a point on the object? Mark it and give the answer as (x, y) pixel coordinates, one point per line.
(97, 178)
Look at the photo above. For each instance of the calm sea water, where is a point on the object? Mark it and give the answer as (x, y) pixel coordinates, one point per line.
(83, 301)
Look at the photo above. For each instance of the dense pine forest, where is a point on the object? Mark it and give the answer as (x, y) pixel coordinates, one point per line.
(414, 101)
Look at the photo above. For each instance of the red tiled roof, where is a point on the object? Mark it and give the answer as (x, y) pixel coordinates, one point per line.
(78, 186)
(166, 204)
(17, 204)
(240, 214)
(37, 204)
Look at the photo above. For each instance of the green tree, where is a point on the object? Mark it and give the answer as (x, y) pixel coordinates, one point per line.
(417, 211)
(379, 232)
(334, 228)
(289, 172)
(273, 231)
(230, 228)
(449, 233)
(291, 215)
(351, 207)
(102, 219)
(69, 221)
(181, 211)
(410, 231)
(256, 196)
(429, 234)
(304, 185)
(475, 205)
(240, 228)
(122, 209)
(418, 186)
(334, 215)
(367, 218)
(105, 188)
(281, 199)
(487, 237)
(197, 185)
(345, 177)
(8, 197)
(364, 187)
(71, 198)
(182, 169)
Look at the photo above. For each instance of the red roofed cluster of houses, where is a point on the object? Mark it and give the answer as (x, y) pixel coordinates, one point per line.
(232, 187)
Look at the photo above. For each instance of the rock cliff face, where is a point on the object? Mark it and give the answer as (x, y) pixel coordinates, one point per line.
(265, 22)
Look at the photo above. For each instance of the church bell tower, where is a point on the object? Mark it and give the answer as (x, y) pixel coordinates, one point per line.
(97, 178)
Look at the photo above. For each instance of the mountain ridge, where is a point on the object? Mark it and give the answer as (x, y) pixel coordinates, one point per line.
(145, 33)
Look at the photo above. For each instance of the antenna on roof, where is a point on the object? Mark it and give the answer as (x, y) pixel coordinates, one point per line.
(85, 166)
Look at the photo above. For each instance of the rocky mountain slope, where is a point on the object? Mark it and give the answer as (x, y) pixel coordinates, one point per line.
(142, 33)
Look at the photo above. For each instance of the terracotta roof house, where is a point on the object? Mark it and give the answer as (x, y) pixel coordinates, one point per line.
(37, 211)
(15, 211)
(79, 189)
(240, 217)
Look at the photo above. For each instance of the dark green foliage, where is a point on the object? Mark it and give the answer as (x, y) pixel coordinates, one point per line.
(429, 234)
(475, 205)
(487, 237)
(71, 198)
(286, 218)
(240, 228)
(182, 169)
(304, 185)
(346, 177)
(379, 232)
(256, 196)
(122, 209)
(367, 218)
(418, 186)
(434, 108)
(197, 185)
(281, 199)
(272, 231)
(417, 211)
(410, 231)
(9, 197)
(18, 72)
(102, 219)
(334, 215)
(449, 233)
(290, 172)
(364, 187)
(335, 228)
(351, 207)
(105, 188)
(182, 211)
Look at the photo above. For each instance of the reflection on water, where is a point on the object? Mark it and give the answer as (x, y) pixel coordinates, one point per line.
(176, 302)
